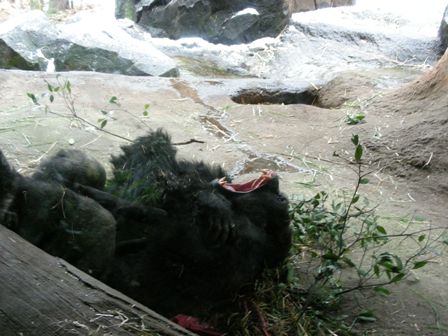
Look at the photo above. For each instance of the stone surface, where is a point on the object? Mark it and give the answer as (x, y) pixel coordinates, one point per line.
(315, 47)
(10, 59)
(228, 22)
(34, 42)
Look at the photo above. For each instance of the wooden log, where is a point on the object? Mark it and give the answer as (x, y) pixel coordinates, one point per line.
(44, 296)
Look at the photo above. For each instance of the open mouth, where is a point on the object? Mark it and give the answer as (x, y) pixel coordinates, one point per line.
(264, 178)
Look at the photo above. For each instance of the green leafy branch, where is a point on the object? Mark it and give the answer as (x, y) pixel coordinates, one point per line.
(63, 90)
(338, 235)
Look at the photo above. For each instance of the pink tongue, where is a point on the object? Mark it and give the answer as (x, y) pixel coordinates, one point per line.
(247, 187)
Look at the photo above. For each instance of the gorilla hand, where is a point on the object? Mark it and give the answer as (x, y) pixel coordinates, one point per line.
(215, 219)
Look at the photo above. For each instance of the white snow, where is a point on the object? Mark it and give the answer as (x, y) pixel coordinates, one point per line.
(247, 11)
(409, 17)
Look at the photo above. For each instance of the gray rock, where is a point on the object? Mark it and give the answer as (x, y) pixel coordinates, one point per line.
(318, 45)
(10, 59)
(140, 56)
(325, 40)
(79, 45)
(443, 32)
(26, 35)
(309, 5)
(225, 21)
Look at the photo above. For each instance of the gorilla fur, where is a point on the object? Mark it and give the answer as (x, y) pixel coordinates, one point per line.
(178, 241)
(71, 167)
(209, 244)
(58, 220)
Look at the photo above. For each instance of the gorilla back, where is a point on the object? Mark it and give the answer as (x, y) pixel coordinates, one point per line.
(148, 171)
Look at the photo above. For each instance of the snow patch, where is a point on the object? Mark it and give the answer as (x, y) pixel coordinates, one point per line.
(403, 17)
(246, 11)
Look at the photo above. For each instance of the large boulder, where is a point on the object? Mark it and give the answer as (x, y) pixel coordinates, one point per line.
(443, 32)
(32, 42)
(10, 59)
(224, 21)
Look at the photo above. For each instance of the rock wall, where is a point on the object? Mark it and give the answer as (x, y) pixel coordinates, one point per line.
(224, 21)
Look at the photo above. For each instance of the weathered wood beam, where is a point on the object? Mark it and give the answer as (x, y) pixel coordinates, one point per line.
(43, 295)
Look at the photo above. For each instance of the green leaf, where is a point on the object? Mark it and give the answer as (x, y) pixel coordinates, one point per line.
(398, 277)
(354, 119)
(355, 198)
(421, 238)
(364, 180)
(366, 316)
(358, 153)
(103, 123)
(146, 106)
(387, 265)
(51, 98)
(104, 112)
(381, 229)
(113, 100)
(33, 98)
(359, 117)
(68, 86)
(382, 291)
(348, 261)
(330, 256)
(398, 262)
(355, 139)
(145, 113)
(376, 270)
(419, 264)
(50, 87)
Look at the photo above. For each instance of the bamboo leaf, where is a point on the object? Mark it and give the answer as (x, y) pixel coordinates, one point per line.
(419, 264)
(33, 98)
(382, 291)
(358, 153)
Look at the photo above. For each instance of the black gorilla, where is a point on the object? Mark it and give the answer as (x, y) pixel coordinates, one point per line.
(182, 239)
(62, 222)
(189, 241)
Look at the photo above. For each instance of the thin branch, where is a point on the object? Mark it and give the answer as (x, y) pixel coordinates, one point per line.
(188, 142)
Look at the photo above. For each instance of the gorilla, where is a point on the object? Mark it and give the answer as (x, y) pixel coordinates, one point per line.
(189, 240)
(60, 221)
(176, 235)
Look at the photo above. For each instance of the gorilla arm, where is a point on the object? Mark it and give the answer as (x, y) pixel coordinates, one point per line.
(121, 207)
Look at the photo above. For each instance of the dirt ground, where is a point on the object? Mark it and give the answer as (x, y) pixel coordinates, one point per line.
(296, 140)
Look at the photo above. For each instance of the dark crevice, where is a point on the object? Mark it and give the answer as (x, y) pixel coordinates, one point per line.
(276, 96)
